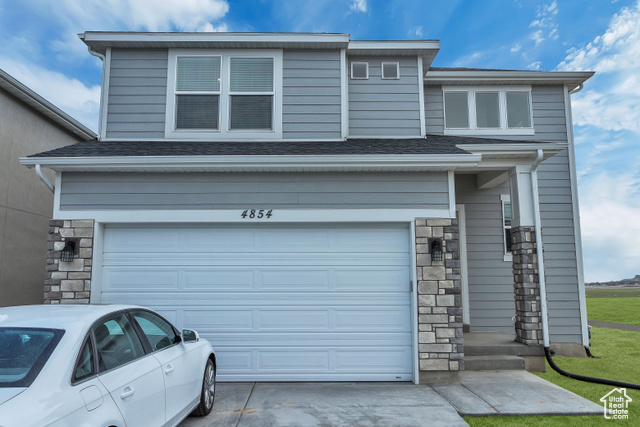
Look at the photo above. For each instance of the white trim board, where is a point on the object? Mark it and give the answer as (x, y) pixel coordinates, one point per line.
(234, 215)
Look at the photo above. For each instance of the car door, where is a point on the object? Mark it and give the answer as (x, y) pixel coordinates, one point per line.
(183, 370)
(133, 379)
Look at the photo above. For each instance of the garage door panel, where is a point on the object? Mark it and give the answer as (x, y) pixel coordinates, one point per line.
(280, 303)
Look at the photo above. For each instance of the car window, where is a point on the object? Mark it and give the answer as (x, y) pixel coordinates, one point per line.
(116, 342)
(23, 353)
(84, 367)
(158, 331)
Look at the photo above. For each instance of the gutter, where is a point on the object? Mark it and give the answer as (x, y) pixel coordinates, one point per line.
(260, 163)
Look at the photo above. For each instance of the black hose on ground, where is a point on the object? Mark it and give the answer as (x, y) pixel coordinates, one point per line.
(555, 367)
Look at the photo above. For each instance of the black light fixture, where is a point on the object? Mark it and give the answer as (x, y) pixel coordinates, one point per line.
(68, 252)
(436, 250)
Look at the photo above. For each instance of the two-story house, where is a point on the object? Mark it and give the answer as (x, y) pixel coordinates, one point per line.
(322, 208)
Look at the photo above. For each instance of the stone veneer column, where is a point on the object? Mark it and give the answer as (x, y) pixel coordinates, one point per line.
(440, 342)
(526, 286)
(69, 282)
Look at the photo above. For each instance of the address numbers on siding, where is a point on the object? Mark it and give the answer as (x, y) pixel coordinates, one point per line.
(256, 214)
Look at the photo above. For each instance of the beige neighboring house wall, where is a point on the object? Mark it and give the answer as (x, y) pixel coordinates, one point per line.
(28, 124)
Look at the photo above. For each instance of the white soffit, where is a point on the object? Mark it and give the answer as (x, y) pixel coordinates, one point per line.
(427, 49)
(572, 79)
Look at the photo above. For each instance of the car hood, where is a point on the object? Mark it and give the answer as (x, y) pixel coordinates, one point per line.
(7, 393)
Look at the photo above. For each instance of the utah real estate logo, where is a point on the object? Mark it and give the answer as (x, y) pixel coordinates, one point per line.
(616, 404)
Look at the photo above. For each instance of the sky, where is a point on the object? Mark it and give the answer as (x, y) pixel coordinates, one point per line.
(39, 46)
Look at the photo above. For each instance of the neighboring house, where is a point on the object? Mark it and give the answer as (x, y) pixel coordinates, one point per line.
(28, 124)
(322, 208)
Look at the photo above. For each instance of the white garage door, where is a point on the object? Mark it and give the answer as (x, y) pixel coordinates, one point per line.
(294, 303)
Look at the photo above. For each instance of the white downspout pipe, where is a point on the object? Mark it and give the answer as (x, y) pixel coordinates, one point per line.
(539, 251)
(102, 58)
(44, 179)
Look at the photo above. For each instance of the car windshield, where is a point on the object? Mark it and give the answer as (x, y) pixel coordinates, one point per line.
(23, 353)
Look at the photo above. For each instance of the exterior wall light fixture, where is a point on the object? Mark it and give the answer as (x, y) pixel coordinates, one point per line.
(435, 248)
(68, 252)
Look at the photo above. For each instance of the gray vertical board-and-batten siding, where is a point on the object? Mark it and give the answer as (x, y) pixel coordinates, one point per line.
(311, 94)
(136, 104)
(385, 108)
(197, 191)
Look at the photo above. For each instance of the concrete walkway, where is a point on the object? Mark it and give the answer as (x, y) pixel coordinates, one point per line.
(613, 325)
(513, 393)
(390, 404)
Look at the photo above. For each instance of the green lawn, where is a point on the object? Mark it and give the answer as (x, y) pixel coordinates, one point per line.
(613, 292)
(614, 309)
(620, 355)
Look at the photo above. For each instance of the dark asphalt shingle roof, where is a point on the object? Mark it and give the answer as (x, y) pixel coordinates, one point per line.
(433, 144)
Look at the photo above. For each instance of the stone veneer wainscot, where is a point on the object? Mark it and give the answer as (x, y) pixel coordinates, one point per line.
(69, 282)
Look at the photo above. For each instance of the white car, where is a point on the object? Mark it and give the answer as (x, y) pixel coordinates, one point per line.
(100, 366)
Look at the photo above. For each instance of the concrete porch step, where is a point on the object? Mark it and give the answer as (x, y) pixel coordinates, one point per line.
(493, 363)
(496, 343)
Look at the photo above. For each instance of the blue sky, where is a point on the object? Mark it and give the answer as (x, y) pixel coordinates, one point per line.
(39, 46)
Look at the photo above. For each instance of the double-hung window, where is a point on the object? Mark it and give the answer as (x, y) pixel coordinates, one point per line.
(227, 94)
(488, 110)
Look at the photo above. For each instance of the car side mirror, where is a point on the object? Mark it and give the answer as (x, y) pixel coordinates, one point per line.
(190, 336)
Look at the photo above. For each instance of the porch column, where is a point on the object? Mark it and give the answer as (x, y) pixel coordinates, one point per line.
(526, 283)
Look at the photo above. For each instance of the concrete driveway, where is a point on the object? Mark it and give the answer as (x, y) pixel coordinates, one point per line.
(327, 404)
(485, 393)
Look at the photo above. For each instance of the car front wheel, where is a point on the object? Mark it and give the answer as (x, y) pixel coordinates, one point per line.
(208, 393)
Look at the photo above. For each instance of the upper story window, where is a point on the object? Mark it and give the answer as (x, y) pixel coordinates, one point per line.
(390, 70)
(359, 70)
(224, 94)
(488, 110)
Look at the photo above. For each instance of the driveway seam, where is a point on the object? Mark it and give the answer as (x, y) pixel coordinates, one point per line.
(245, 404)
(479, 397)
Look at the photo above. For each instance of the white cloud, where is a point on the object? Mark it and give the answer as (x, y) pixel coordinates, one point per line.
(358, 5)
(535, 65)
(610, 221)
(70, 95)
(516, 48)
(544, 25)
(612, 98)
(416, 31)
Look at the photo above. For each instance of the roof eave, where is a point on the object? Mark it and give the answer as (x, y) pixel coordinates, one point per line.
(247, 163)
(570, 78)
(44, 107)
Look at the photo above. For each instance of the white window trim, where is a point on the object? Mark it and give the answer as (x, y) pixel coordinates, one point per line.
(507, 256)
(397, 64)
(366, 64)
(502, 103)
(224, 131)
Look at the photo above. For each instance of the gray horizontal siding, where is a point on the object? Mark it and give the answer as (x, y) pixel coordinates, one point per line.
(385, 107)
(311, 94)
(137, 93)
(559, 249)
(153, 191)
(490, 278)
(548, 114)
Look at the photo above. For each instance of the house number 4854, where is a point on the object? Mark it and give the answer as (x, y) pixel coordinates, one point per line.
(259, 214)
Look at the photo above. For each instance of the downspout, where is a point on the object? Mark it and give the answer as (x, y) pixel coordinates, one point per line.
(44, 179)
(539, 251)
(103, 58)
